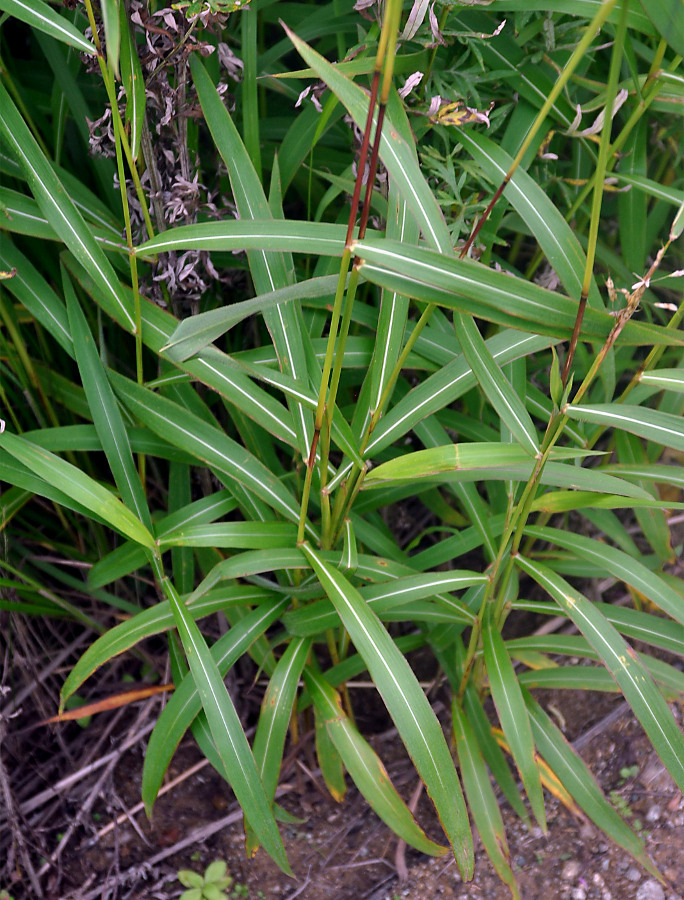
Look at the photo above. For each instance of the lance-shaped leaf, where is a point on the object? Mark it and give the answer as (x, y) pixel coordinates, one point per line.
(133, 81)
(620, 564)
(60, 211)
(155, 620)
(227, 732)
(78, 486)
(185, 703)
(470, 287)
(574, 774)
(481, 798)
(622, 662)
(497, 389)
(183, 429)
(666, 15)
(195, 332)
(663, 428)
(365, 767)
(407, 704)
(38, 14)
(276, 712)
(104, 410)
(510, 707)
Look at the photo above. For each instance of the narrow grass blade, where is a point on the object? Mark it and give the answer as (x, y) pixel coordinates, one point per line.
(105, 411)
(510, 707)
(575, 775)
(668, 379)
(365, 767)
(240, 535)
(133, 81)
(60, 211)
(620, 659)
(39, 15)
(481, 798)
(195, 332)
(79, 486)
(407, 705)
(155, 620)
(666, 15)
(498, 297)
(497, 389)
(276, 712)
(183, 429)
(185, 703)
(663, 428)
(227, 732)
(112, 30)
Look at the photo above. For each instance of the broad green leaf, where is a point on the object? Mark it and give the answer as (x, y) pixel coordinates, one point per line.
(406, 703)
(365, 767)
(664, 428)
(104, 410)
(227, 732)
(620, 659)
(195, 332)
(185, 702)
(505, 299)
(575, 775)
(38, 14)
(563, 501)
(206, 443)
(481, 798)
(77, 485)
(668, 18)
(156, 619)
(585, 8)
(510, 707)
(60, 211)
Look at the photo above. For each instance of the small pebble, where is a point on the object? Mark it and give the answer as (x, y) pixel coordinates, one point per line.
(653, 814)
(633, 874)
(578, 894)
(570, 870)
(650, 890)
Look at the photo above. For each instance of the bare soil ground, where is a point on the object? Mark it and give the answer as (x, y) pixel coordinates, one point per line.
(71, 827)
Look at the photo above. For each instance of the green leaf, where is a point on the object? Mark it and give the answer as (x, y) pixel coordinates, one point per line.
(155, 620)
(505, 299)
(195, 332)
(104, 410)
(185, 704)
(577, 778)
(38, 14)
(182, 428)
(60, 211)
(78, 486)
(620, 659)
(668, 18)
(227, 732)
(365, 767)
(497, 389)
(664, 428)
(510, 707)
(618, 563)
(668, 379)
(133, 82)
(481, 798)
(112, 30)
(406, 703)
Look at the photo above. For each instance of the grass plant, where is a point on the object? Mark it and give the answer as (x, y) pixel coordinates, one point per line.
(363, 370)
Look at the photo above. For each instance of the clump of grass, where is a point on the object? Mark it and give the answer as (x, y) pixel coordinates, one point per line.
(226, 377)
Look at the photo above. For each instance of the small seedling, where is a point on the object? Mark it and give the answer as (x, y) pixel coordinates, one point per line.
(213, 885)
